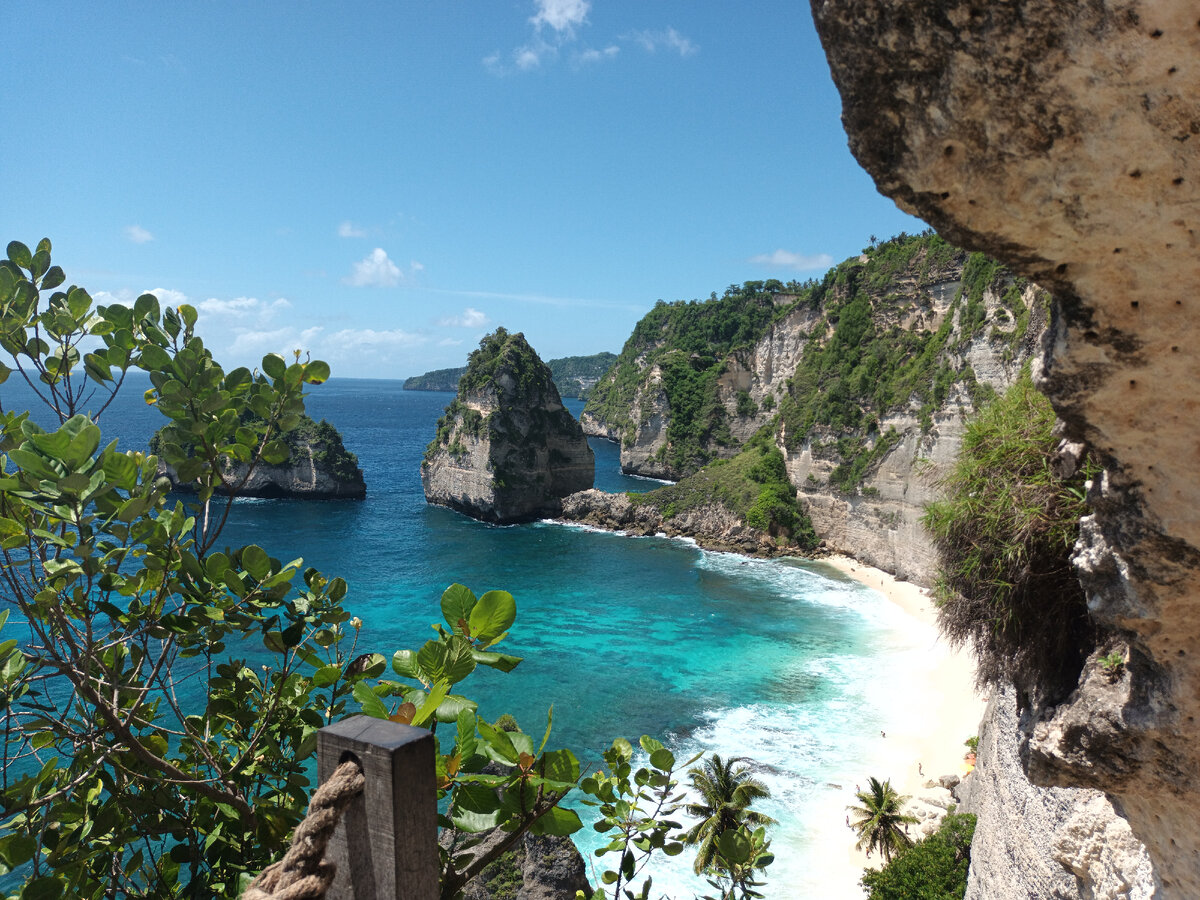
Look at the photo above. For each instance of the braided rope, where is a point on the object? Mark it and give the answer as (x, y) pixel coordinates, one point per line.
(303, 873)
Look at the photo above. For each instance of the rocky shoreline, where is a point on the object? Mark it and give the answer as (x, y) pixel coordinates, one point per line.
(712, 527)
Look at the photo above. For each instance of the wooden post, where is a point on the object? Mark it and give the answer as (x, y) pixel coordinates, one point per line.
(385, 847)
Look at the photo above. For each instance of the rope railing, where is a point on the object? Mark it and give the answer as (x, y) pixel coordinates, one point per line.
(371, 829)
(304, 873)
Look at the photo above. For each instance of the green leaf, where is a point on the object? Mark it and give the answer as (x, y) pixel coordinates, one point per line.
(45, 888)
(20, 254)
(457, 603)
(498, 741)
(404, 664)
(454, 706)
(273, 365)
(256, 562)
(146, 306)
(275, 453)
(501, 661)
(316, 372)
(371, 704)
(425, 711)
(662, 759)
(559, 765)
(492, 616)
(475, 807)
(53, 278)
(734, 845)
(326, 675)
(559, 822)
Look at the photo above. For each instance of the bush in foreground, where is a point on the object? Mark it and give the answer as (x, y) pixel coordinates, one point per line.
(932, 869)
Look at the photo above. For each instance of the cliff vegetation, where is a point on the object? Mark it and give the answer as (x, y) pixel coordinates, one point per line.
(574, 376)
(1005, 530)
(753, 486)
(877, 351)
(689, 342)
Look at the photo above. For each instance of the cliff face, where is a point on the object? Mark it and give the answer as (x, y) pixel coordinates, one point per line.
(506, 450)
(1069, 842)
(692, 382)
(878, 521)
(870, 371)
(1062, 139)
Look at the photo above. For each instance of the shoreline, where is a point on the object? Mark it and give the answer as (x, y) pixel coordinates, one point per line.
(925, 734)
(934, 741)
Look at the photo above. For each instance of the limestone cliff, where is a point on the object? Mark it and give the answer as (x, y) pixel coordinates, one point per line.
(506, 449)
(866, 377)
(319, 467)
(1062, 138)
(1035, 841)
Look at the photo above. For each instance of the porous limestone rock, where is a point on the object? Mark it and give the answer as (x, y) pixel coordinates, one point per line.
(1064, 139)
(1046, 842)
(506, 449)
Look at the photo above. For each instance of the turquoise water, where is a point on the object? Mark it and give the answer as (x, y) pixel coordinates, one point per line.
(785, 662)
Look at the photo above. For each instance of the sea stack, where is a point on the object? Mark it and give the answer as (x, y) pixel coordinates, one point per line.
(506, 449)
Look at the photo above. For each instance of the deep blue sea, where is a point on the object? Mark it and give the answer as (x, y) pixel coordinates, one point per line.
(785, 662)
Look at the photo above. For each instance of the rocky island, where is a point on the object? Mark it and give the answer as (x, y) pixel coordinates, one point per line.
(319, 467)
(506, 449)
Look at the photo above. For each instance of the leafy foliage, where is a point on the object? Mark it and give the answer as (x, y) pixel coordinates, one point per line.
(879, 819)
(160, 697)
(1004, 531)
(321, 439)
(934, 868)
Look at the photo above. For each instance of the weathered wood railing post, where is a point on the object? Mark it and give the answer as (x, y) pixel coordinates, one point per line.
(385, 847)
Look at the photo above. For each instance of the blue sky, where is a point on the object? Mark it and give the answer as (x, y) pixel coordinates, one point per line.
(381, 184)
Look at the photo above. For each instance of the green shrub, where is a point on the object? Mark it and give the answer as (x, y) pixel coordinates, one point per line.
(1004, 531)
(931, 869)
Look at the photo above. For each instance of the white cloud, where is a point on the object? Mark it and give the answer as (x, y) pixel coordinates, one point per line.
(800, 262)
(138, 234)
(359, 339)
(669, 39)
(242, 307)
(449, 342)
(554, 25)
(167, 296)
(469, 318)
(564, 16)
(594, 56)
(375, 271)
(530, 56)
(349, 230)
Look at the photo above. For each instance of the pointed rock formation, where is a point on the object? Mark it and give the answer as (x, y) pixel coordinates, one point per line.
(506, 449)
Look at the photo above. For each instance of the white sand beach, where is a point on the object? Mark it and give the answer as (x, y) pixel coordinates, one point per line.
(951, 711)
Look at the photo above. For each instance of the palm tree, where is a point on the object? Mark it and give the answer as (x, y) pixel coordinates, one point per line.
(879, 818)
(725, 796)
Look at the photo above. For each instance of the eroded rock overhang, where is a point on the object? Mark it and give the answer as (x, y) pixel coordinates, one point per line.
(1064, 139)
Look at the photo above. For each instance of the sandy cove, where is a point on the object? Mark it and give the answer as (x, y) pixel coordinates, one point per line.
(933, 741)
